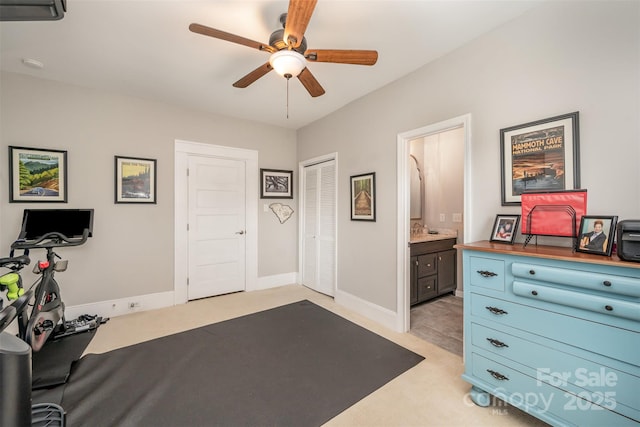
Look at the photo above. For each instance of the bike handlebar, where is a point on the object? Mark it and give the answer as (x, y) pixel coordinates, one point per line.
(51, 240)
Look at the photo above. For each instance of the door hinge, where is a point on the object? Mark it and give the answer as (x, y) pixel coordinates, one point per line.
(187, 281)
(187, 171)
(187, 226)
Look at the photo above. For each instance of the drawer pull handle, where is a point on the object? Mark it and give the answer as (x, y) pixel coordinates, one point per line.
(494, 342)
(608, 308)
(534, 293)
(485, 273)
(532, 272)
(497, 375)
(606, 283)
(496, 310)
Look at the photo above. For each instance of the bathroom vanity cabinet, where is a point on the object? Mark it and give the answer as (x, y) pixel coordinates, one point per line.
(553, 332)
(433, 269)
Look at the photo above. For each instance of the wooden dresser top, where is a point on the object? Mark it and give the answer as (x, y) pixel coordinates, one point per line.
(542, 251)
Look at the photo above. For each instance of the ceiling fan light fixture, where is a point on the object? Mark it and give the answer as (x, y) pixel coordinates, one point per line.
(288, 63)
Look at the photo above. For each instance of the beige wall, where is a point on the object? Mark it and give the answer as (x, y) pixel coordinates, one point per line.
(131, 252)
(558, 58)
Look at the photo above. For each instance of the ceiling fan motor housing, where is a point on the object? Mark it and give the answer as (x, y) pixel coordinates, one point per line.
(277, 40)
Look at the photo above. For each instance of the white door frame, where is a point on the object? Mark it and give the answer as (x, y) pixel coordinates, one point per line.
(320, 159)
(184, 149)
(402, 259)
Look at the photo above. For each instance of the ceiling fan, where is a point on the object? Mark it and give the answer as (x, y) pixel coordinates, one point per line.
(288, 49)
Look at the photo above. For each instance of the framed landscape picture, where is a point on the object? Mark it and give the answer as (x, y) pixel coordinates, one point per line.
(37, 175)
(540, 156)
(363, 197)
(135, 180)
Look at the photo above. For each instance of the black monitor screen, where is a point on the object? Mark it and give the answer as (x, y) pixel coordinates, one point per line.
(70, 222)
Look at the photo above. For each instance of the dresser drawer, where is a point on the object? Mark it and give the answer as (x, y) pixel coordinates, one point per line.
(486, 273)
(609, 283)
(609, 341)
(584, 409)
(596, 303)
(563, 370)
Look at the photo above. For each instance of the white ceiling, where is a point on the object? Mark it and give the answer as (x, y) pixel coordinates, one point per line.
(143, 48)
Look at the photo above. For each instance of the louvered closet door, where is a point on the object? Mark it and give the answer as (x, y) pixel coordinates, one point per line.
(319, 251)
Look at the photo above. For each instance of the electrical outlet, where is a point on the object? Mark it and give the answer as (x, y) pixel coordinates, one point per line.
(443, 217)
(456, 217)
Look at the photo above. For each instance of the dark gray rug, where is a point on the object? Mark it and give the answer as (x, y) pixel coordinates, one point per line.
(296, 365)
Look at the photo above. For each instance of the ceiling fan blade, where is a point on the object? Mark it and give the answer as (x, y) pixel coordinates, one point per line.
(222, 35)
(310, 83)
(253, 76)
(357, 57)
(298, 17)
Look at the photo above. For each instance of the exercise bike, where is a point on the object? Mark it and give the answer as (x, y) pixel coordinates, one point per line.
(16, 408)
(47, 315)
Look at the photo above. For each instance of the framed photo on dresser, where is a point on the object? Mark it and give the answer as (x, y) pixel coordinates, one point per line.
(597, 234)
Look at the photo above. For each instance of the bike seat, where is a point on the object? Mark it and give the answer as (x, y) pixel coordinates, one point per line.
(18, 260)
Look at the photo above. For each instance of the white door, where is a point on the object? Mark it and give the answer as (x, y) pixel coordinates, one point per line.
(319, 227)
(216, 229)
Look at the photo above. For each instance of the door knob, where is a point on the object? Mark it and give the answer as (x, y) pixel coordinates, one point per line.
(240, 232)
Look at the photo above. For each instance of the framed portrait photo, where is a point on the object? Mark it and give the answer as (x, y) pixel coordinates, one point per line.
(37, 175)
(135, 180)
(504, 228)
(540, 156)
(597, 234)
(276, 184)
(363, 197)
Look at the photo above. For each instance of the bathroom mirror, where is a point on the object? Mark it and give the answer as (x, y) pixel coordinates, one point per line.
(417, 189)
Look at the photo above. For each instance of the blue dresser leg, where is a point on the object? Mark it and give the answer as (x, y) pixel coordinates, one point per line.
(480, 397)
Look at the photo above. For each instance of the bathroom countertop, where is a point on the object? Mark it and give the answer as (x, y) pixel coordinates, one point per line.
(419, 238)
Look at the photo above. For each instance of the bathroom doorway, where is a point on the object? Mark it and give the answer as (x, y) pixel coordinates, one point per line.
(462, 124)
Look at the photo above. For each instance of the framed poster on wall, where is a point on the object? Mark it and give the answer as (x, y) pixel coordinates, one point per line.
(540, 156)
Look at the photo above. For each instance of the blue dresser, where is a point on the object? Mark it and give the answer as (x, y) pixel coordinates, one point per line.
(552, 332)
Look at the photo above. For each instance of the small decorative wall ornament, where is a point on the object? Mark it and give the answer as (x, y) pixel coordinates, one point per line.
(283, 212)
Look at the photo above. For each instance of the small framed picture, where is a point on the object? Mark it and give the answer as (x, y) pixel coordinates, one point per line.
(37, 175)
(363, 197)
(597, 234)
(276, 184)
(135, 180)
(504, 228)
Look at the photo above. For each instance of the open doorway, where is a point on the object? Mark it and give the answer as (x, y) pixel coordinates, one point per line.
(403, 214)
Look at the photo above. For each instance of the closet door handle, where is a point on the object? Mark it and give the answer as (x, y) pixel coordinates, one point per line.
(240, 232)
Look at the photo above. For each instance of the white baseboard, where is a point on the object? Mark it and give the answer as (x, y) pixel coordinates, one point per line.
(122, 306)
(367, 309)
(273, 281)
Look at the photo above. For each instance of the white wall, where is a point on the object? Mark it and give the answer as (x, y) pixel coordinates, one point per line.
(131, 252)
(558, 58)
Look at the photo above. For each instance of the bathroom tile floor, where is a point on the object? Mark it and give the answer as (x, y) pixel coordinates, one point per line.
(439, 322)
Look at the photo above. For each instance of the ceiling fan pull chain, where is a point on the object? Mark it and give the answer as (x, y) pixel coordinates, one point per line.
(288, 76)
